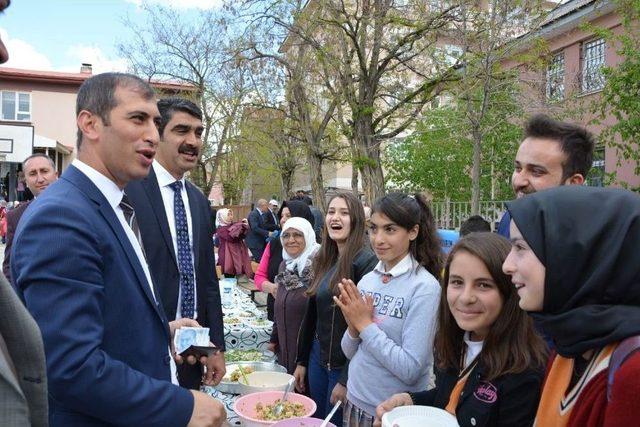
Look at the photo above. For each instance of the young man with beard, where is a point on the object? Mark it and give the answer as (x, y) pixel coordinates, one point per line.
(175, 225)
(553, 153)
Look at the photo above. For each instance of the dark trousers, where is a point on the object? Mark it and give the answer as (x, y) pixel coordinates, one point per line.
(190, 376)
(256, 253)
(321, 384)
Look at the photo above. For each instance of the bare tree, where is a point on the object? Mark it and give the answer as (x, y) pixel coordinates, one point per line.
(489, 34)
(195, 52)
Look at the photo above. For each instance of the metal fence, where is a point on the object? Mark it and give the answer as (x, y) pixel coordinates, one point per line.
(449, 215)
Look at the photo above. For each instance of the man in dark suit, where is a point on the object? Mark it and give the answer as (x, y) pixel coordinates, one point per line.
(259, 231)
(39, 171)
(81, 272)
(154, 200)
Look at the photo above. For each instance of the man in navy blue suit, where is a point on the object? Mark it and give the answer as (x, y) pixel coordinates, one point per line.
(259, 230)
(154, 201)
(81, 272)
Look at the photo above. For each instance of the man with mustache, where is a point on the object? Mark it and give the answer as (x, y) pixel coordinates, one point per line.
(553, 153)
(176, 229)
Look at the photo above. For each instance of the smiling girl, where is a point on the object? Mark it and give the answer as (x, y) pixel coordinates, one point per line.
(391, 326)
(489, 359)
(341, 256)
(576, 266)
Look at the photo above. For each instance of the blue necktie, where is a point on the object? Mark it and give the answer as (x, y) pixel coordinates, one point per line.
(185, 265)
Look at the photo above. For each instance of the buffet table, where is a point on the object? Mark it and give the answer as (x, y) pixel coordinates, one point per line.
(245, 328)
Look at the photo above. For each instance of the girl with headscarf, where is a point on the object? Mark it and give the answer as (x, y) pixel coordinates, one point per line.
(272, 255)
(298, 248)
(233, 255)
(575, 264)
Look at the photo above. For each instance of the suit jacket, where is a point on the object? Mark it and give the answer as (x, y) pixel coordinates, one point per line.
(258, 232)
(13, 216)
(106, 339)
(146, 200)
(270, 220)
(22, 402)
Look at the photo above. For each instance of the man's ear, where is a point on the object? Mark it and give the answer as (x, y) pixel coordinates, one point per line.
(89, 124)
(575, 179)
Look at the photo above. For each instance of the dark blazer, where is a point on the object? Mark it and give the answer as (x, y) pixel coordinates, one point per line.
(508, 401)
(158, 245)
(23, 397)
(258, 232)
(105, 337)
(13, 216)
(270, 221)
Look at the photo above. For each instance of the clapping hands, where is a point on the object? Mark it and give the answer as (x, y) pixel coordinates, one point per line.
(357, 309)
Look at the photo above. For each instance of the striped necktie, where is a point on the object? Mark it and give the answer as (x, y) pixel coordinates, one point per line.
(130, 217)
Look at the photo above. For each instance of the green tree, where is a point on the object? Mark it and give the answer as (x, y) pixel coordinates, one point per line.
(620, 97)
(437, 157)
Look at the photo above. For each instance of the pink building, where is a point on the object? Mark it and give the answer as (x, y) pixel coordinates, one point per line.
(37, 114)
(573, 80)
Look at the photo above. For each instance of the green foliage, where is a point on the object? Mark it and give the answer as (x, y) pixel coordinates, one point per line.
(621, 94)
(437, 158)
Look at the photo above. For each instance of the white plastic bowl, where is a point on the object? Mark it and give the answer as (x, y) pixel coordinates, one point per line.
(264, 381)
(418, 416)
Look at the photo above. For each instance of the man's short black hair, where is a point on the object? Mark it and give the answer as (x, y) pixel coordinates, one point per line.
(97, 94)
(168, 106)
(576, 142)
(474, 224)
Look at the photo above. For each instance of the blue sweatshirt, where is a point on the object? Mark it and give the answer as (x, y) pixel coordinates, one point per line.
(395, 353)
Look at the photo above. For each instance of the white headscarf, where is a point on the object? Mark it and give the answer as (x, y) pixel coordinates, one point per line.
(311, 246)
(221, 217)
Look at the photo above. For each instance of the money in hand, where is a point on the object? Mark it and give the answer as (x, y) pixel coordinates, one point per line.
(185, 337)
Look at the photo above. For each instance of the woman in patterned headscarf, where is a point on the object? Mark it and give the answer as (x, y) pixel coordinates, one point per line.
(298, 248)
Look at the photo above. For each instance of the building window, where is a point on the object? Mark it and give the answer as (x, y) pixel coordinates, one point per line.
(15, 106)
(555, 78)
(597, 172)
(592, 63)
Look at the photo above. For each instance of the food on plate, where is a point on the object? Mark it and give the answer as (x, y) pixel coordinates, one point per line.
(232, 320)
(235, 375)
(289, 410)
(242, 356)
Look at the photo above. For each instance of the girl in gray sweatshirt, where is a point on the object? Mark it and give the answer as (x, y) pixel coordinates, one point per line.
(392, 312)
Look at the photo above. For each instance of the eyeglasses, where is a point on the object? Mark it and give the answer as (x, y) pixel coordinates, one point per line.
(295, 236)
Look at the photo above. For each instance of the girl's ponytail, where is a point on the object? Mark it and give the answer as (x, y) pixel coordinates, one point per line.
(428, 249)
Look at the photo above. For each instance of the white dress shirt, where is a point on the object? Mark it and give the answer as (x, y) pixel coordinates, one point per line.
(165, 179)
(114, 195)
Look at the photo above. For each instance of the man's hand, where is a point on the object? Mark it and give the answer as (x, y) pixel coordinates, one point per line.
(216, 368)
(174, 325)
(400, 399)
(339, 393)
(272, 347)
(207, 412)
(299, 375)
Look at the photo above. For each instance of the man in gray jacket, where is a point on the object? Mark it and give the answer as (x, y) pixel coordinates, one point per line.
(23, 381)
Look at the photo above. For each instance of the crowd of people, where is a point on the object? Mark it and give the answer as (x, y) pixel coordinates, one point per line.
(537, 324)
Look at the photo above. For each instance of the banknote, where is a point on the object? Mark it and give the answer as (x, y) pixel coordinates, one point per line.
(185, 337)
